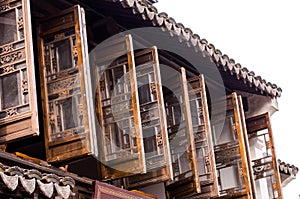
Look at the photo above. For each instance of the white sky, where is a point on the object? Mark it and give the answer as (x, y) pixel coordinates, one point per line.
(264, 36)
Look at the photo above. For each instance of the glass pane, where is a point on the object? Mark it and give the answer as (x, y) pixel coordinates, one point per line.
(231, 174)
(64, 56)
(10, 90)
(68, 115)
(144, 94)
(8, 30)
(150, 145)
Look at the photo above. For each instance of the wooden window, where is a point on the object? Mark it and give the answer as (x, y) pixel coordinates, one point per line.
(63, 59)
(263, 157)
(131, 115)
(153, 120)
(18, 110)
(180, 135)
(230, 151)
(122, 151)
(199, 177)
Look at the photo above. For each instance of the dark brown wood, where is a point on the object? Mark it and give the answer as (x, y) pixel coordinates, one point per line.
(18, 101)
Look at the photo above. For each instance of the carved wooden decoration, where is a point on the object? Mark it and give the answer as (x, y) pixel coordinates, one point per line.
(263, 158)
(199, 178)
(230, 152)
(18, 110)
(62, 61)
(153, 119)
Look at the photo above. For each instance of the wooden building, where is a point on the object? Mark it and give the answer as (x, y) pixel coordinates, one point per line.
(121, 96)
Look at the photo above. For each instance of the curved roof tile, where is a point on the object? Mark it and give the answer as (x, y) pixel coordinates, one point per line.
(149, 12)
(287, 168)
(32, 179)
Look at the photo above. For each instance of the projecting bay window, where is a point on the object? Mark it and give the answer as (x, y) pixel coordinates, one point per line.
(190, 140)
(230, 152)
(263, 157)
(130, 111)
(18, 111)
(62, 51)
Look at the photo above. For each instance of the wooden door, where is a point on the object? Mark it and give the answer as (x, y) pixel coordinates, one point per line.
(18, 109)
(64, 85)
(230, 152)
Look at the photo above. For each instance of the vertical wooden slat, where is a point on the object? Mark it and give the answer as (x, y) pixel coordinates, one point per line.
(242, 146)
(135, 103)
(30, 64)
(215, 190)
(189, 131)
(247, 148)
(81, 44)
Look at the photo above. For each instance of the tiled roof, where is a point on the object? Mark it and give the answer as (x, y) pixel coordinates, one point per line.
(32, 180)
(149, 12)
(287, 172)
(287, 168)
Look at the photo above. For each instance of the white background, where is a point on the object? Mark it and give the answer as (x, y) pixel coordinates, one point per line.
(263, 36)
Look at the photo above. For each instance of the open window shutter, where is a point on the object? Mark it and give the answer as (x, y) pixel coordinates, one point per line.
(263, 157)
(202, 137)
(18, 110)
(153, 120)
(63, 55)
(199, 180)
(230, 152)
(181, 138)
(122, 152)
